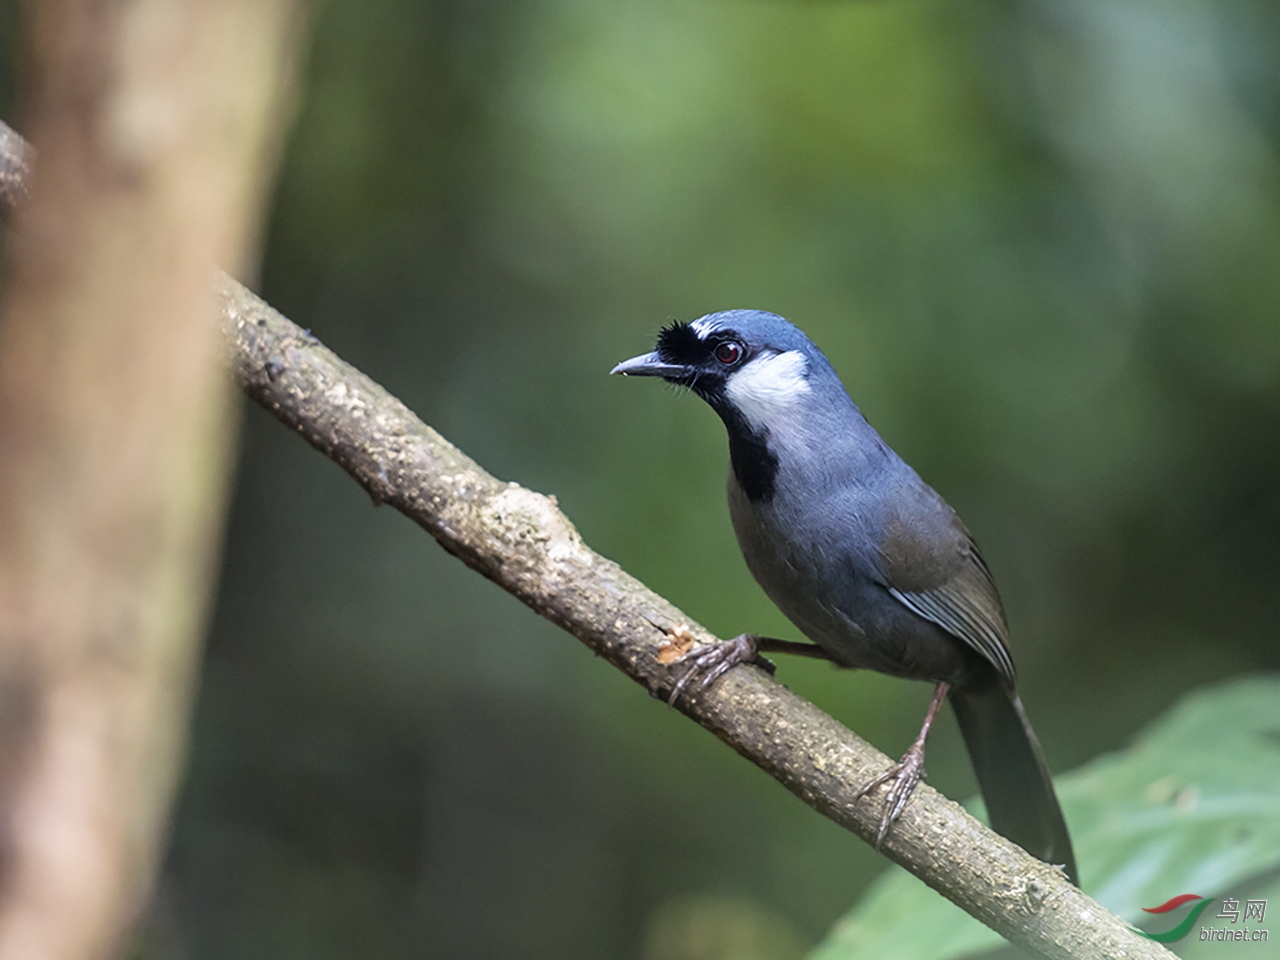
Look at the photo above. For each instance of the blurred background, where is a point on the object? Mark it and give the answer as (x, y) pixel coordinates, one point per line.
(1040, 240)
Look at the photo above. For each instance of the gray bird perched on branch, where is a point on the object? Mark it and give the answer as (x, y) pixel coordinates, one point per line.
(862, 556)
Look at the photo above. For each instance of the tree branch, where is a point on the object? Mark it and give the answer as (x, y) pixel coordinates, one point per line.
(520, 540)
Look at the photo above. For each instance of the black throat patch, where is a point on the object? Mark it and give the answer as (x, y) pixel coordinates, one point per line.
(754, 465)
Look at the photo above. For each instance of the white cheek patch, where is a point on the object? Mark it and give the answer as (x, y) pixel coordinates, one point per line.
(768, 385)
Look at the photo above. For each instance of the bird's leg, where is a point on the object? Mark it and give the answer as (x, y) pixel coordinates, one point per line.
(908, 771)
(710, 663)
(795, 647)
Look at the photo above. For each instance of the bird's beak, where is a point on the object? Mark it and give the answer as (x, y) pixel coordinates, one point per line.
(649, 365)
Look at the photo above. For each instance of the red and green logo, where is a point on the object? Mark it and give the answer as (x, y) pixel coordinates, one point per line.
(1189, 921)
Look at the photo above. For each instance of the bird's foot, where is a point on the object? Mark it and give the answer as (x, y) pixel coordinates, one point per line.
(708, 664)
(903, 777)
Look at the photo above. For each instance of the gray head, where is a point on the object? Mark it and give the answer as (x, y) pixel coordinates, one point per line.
(768, 382)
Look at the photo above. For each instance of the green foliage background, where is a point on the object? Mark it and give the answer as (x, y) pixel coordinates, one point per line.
(1039, 239)
(1192, 805)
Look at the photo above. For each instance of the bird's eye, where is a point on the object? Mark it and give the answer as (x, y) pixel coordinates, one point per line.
(729, 352)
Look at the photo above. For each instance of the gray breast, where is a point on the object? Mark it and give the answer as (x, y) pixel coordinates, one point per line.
(820, 566)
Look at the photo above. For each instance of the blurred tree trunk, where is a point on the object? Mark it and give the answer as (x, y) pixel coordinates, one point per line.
(156, 124)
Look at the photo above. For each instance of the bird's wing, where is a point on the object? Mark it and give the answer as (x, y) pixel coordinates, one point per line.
(938, 573)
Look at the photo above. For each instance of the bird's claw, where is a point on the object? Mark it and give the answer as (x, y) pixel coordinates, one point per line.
(904, 776)
(710, 664)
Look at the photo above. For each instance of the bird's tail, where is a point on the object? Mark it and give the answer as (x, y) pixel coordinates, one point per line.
(1012, 773)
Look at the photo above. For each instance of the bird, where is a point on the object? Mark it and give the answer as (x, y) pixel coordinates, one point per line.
(862, 556)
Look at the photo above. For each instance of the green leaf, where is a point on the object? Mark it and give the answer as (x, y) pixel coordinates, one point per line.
(1192, 807)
